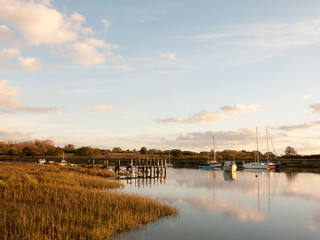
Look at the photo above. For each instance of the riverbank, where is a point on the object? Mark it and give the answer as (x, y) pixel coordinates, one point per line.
(63, 202)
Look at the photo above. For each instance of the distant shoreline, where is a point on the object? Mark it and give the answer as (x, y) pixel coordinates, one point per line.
(290, 162)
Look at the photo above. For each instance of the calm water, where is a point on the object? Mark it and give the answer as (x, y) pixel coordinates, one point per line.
(243, 205)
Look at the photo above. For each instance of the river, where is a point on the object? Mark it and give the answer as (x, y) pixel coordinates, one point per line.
(242, 205)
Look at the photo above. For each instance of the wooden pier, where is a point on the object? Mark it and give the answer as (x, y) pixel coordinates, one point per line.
(140, 168)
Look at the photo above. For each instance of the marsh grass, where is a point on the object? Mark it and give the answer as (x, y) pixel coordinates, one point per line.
(59, 202)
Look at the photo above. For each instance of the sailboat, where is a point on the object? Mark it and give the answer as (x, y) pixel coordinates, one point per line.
(169, 164)
(63, 161)
(257, 164)
(213, 163)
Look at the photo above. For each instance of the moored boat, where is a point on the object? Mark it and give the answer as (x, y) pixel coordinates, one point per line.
(42, 161)
(229, 166)
(211, 164)
(257, 164)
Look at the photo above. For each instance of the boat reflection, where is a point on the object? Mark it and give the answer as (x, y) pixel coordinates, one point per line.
(230, 176)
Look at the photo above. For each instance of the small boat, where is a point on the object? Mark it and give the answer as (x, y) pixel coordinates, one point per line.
(63, 161)
(257, 164)
(169, 164)
(42, 161)
(213, 163)
(229, 166)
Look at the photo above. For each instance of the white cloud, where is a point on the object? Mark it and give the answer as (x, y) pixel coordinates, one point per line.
(40, 23)
(306, 97)
(234, 137)
(241, 108)
(12, 134)
(201, 117)
(163, 72)
(8, 53)
(299, 127)
(106, 23)
(7, 36)
(29, 63)
(86, 54)
(96, 42)
(87, 31)
(170, 56)
(37, 22)
(100, 106)
(10, 102)
(204, 117)
(315, 108)
(269, 35)
(127, 68)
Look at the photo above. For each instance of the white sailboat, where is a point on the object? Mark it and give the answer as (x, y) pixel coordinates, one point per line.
(257, 164)
(63, 161)
(211, 163)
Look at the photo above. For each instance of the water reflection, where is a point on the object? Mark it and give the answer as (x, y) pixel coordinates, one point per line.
(248, 202)
(229, 176)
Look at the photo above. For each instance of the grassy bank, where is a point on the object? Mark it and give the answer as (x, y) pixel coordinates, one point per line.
(56, 202)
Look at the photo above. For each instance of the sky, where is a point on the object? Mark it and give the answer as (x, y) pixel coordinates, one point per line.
(161, 74)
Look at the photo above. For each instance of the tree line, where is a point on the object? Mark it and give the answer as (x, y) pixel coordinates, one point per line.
(47, 148)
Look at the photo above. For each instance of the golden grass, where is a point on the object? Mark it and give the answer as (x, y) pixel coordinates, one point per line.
(59, 202)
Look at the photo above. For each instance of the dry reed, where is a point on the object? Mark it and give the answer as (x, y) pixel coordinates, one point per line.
(56, 202)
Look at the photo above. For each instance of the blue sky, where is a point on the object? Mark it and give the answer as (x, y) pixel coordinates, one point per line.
(161, 74)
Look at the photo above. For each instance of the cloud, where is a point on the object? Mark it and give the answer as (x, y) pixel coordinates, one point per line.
(306, 97)
(299, 127)
(29, 63)
(106, 23)
(269, 35)
(87, 54)
(10, 102)
(315, 108)
(170, 56)
(100, 106)
(162, 72)
(8, 53)
(12, 134)
(201, 117)
(41, 24)
(127, 68)
(238, 137)
(7, 36)
(241, 108)
(204, 117)
(241, 214)
(38, 23)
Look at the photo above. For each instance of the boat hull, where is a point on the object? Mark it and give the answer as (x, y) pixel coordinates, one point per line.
(258, 166)
(207, 167)
(230, 168)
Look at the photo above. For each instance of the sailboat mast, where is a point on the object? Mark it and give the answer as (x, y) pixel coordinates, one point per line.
(267, 133)
(257, 144)
(214, 150)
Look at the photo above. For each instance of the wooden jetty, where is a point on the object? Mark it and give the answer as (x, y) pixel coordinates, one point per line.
(139, 168)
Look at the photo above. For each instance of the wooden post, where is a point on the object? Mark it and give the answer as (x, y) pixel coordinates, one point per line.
(161, 162)
(165, 168)
(93, 163)
(147, 165)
